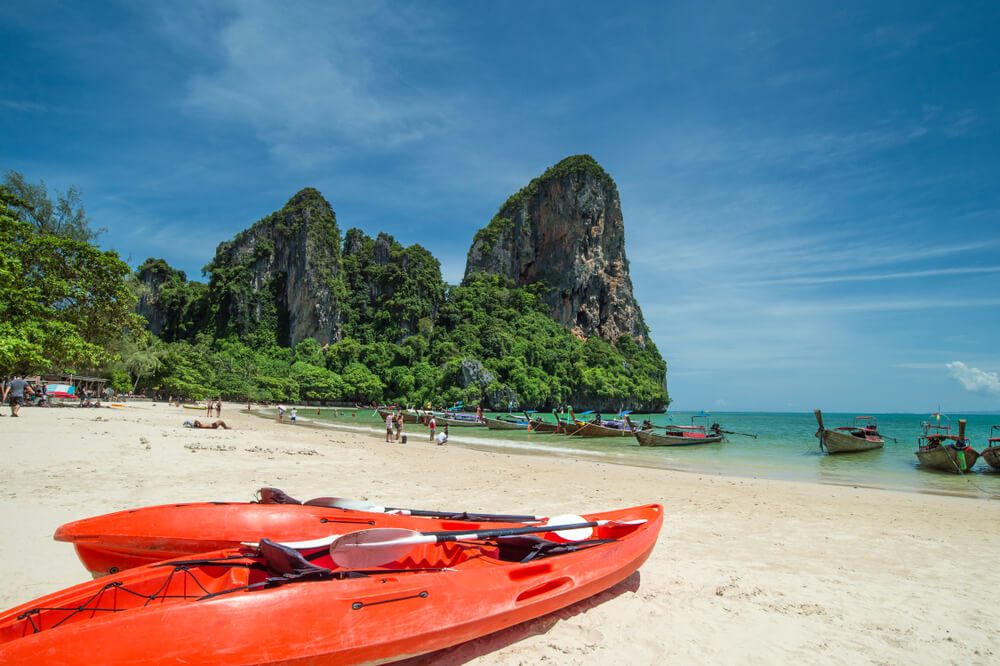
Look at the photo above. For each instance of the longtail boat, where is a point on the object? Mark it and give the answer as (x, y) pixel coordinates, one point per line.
(506, 423)
(677, 435)
(566, 427)
(369, 597)
(601, 427)
(457, 419)
(127, 539)
(938, 449)
(541, 426)
(991, 454)
(409, 415)
(862, 435)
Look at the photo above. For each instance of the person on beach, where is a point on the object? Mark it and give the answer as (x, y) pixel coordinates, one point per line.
(293, 414)
(16, 388)
(218, 407)
(281, 413)
(400, 437)
(398, 425)
(4, 387)
(432, 424)
(479, 413)
(442, 438)
(388, 428)
(205, 426)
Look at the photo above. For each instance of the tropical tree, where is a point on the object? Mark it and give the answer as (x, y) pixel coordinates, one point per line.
(141, 355)
(65, 217)
(63, 302)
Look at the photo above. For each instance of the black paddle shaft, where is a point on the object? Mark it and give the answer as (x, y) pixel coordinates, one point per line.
(464, 515)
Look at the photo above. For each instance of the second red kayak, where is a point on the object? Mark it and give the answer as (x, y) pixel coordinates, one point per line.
(123, 540)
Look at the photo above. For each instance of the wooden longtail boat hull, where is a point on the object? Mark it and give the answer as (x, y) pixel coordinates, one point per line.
(442, 421)
(947, 459)
(127, 539)
(597, 430)
(992, 456)
(409, 416)
(647, 438)
(839, 442)
(544, 427)
(157, 614)
(566, 427)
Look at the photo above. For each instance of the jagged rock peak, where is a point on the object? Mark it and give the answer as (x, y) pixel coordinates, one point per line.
(566, 229)
(283, 273)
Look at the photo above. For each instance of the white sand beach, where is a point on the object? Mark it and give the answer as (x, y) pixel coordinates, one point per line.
(745, 570)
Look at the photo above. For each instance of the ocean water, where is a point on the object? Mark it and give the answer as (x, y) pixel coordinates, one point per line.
(785, 448)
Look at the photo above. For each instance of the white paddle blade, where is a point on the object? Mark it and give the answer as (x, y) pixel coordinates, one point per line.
(345, 503)
(576, 534)
(299, 545)
(365, 549)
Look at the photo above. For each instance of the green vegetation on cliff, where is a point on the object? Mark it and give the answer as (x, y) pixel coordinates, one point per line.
(524, 355)
(397, 332)
(248, 291)
(389, 288)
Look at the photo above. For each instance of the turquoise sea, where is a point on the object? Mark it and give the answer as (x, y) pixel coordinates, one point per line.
(785, 448)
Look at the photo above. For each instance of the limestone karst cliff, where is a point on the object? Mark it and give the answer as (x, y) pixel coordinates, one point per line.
(387, 328)
(152, 276)
(282, 274)
(566, 229)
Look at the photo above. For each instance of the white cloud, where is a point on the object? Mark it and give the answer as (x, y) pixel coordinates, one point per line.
(314, 80)
(974, 379)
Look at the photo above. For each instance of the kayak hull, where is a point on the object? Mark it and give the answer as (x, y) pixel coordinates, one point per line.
(406, 611)
(124, 540)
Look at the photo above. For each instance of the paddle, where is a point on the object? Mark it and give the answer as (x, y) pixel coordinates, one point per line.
(359, 505)
(371, 548)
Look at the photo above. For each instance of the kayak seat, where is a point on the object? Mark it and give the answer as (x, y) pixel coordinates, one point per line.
(287, 563)
(526, 547)
(276, 496)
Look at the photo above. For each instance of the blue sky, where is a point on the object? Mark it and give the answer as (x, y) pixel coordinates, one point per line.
(809, 190)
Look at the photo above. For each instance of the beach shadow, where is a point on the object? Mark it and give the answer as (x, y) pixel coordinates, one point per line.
(465, 652)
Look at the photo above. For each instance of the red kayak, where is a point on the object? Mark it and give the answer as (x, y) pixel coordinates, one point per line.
(372, 596)
(125, 539)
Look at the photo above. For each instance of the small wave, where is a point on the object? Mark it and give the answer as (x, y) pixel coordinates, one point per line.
(526, 446)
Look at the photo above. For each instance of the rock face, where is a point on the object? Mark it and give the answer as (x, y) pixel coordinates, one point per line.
(153, 275)
(566, 229)
(282, 274)
(495, 396)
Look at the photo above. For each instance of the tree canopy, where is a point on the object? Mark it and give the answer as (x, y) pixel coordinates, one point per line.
(64, 217)
(63, 303)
